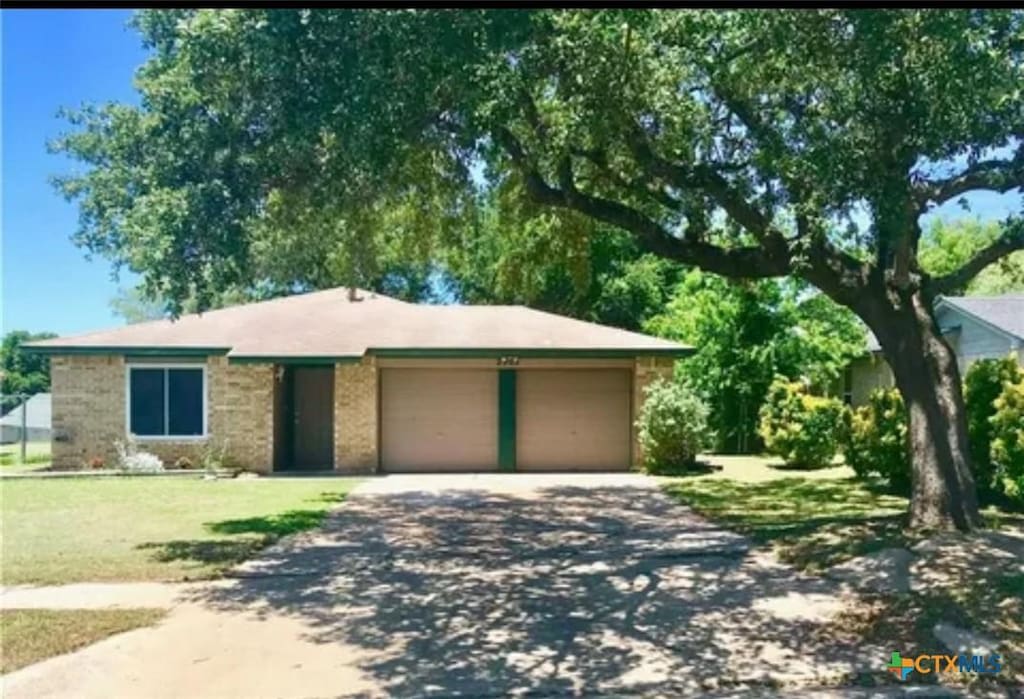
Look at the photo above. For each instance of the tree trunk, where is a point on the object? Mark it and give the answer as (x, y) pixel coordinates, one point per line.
(925, 368)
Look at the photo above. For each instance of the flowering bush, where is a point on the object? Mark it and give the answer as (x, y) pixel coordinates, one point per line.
(131, 458)
(1008, 439)
(805, 430)
(877, 442)
(983, 384)
(672, 427)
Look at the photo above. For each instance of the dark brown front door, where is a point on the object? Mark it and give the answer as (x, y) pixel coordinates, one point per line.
(312, 417)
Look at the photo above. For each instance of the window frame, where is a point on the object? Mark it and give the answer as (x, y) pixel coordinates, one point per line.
(164, 366)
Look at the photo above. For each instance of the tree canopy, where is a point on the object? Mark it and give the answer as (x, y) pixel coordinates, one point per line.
(22, 372)
(290, 146)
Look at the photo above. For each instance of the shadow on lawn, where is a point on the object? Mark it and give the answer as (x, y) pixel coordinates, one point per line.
(813, 523)
(249, 535)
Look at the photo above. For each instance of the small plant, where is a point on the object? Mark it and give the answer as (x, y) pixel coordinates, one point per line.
(983, 384)
(877, 441)
(214, 456)
(1008, 439)
(131, 458)
(97, 462)
(804, 429)
(184, 463)
(673, 427)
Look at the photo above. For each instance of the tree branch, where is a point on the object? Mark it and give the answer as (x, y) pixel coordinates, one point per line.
(739, 262)
(995, 175)
(1011, 240)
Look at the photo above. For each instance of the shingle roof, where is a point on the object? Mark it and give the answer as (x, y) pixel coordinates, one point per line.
(329, 324)
(1004, 312)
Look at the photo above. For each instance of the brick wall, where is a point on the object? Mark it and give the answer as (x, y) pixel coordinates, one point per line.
(355, 417)
(88, 408)
(89, 413)
(646, 370)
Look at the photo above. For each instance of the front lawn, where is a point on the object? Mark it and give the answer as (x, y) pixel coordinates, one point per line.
(31, 635)
(37, 456)
(127, 529)
(971, 581)
(812, 523)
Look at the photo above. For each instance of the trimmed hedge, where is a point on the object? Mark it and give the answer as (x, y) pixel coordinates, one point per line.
(877, 440)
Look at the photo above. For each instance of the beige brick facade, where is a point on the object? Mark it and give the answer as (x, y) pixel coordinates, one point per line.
(646, 371)
(356, 417)
(89, 413)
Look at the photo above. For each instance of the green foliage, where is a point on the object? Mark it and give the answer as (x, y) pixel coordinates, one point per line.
(1008, 438)
(983, 383)
(745, 334)
(562, 264)
(315, 148)
(877, 442)
(804, 429)
(672, 427)
(23, 372)
(947, 245)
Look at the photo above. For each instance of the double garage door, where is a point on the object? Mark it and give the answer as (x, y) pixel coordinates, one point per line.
(448, 419)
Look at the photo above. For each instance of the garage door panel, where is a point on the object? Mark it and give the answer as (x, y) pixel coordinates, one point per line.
(573, 420)
(439, 419)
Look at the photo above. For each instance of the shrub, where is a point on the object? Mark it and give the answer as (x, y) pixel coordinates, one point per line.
(183, 462)
(805, 430)
(97, 462)
(1008, 439)
(131, 458)
(877, 440)
(672, 426)
(983, 384)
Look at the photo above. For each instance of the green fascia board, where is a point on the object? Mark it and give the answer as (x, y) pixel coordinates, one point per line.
(529, 353)
(134, 351)
(507, 419)
(297, 360)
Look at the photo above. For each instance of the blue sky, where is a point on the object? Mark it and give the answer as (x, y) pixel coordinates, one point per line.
(61, 58)
(51, 59)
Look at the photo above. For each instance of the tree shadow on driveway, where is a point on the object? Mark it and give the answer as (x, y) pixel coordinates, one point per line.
(562, 590)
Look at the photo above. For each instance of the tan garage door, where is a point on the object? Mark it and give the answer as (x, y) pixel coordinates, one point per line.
(439, 419)
(573, 420)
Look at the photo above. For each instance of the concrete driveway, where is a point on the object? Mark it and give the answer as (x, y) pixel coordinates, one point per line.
(483, 585)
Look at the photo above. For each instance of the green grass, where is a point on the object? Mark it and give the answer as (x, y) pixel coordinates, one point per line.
(37, 455)
(812, 523)
(128, 529)
(817, 523)
(31, 635)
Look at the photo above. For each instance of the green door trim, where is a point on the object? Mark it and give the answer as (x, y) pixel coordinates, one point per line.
(507, 419)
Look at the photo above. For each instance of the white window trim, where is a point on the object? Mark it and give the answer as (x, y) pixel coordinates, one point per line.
(164, 437)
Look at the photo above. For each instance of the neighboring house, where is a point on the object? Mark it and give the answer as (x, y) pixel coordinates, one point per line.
(358, 383)
(36, 415)
(977, 327)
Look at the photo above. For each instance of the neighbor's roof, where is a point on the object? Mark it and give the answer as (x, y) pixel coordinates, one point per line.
(328, 324)
(37, 415)
(1005, 313)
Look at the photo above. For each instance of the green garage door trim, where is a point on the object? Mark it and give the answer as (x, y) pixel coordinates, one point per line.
(507, 419)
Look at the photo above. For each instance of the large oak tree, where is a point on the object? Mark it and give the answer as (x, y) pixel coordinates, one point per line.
(739, 142)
